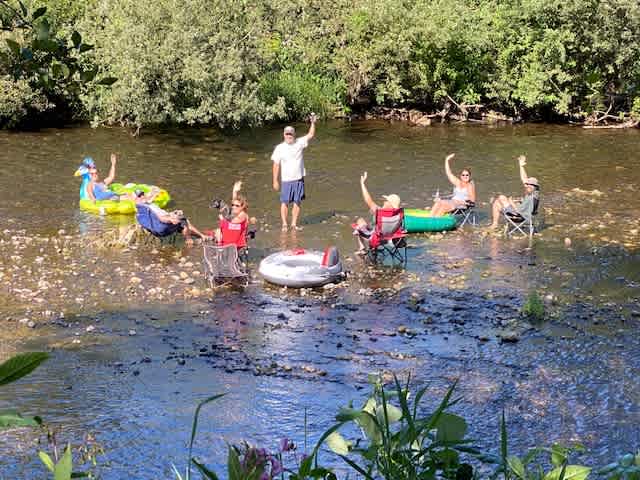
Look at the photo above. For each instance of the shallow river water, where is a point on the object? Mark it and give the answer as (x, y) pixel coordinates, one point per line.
(137, 339)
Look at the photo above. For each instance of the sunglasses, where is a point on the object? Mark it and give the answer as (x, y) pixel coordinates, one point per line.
(288, 134)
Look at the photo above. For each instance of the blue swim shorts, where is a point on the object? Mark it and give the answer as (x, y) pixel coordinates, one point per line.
(292, 192)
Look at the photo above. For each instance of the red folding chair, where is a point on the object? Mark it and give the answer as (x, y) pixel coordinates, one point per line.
(226, 260)
(388, 239)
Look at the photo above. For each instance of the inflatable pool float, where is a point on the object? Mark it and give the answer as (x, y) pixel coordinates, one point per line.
(116, 207)
(301, 268)
(417, 220)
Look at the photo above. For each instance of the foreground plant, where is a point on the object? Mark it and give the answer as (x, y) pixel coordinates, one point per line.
(626, 468)
(398, 442)
(522, 468)
(14, 369)
(246, 462)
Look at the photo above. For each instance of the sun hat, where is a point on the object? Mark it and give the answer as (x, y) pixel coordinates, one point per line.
(88, 162)
(289, 129)
(533, 181)
(393, 199)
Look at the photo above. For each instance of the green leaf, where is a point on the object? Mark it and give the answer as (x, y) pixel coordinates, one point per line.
(46, 45)
(394, 414)
(204, 471)
(88, 75)
(46, 459)
(571, 472)
(26, 53)
(43, 30)
(12, 419)
(39, 12)
(20, 365)
(558, 455)
(60, 70)
(85, 48)
(451, 428)
(233, 465)
(76, 39)
(13, 46)
(63, 468)
(107, 81)
(337, 443)
(516, 467)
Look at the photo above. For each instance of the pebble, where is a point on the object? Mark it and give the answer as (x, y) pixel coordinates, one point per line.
(132, 332)
(90, 328)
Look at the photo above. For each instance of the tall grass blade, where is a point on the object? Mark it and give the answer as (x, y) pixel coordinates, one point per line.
(204, 471)
(194, 428)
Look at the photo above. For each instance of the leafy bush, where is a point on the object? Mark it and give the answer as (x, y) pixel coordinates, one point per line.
(19, 101)
(303, 93)
(232, 63)
(533, 307)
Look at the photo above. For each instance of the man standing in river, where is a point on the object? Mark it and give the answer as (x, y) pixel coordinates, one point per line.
(288, 163)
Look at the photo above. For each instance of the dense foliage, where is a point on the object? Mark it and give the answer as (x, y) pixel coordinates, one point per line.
(235, 62)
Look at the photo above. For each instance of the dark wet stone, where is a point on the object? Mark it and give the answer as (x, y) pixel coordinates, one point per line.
(181, 361)
(282, 316)
(146, 360)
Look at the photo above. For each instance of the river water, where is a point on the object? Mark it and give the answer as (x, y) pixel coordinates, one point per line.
(130, 359)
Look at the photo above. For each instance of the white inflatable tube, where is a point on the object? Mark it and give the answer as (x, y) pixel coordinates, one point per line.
(301, 268)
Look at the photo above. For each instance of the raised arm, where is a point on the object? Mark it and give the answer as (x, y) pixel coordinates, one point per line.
(312, 128)
(365, 193)
(236, 189)
(452, 178)
(522, 161)
(112, 170)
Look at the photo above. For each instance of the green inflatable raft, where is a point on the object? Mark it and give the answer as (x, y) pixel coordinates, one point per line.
(123, 207)
(417, 220)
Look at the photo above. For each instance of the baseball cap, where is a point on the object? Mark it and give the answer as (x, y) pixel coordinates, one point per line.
(289, 129)
(393, 199)
(532, 181)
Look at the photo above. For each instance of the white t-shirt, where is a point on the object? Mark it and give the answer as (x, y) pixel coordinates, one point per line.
(289, 157)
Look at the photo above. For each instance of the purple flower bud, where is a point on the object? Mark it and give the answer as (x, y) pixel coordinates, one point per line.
(276, 467)
(286, 445)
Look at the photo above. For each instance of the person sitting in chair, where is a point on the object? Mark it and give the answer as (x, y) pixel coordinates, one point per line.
(362, 228)
(234, 221)
(464, 190)
(525, 207)
(175, 218)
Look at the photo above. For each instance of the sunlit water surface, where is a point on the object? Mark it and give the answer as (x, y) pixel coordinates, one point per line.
(572, 382)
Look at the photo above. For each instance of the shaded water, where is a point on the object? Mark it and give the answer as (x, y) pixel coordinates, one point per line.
(569, 377)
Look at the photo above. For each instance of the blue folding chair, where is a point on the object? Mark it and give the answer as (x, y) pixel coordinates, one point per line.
(152, 224)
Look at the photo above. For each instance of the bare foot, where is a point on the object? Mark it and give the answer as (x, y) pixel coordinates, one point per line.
(296, 227)
(285, 228)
